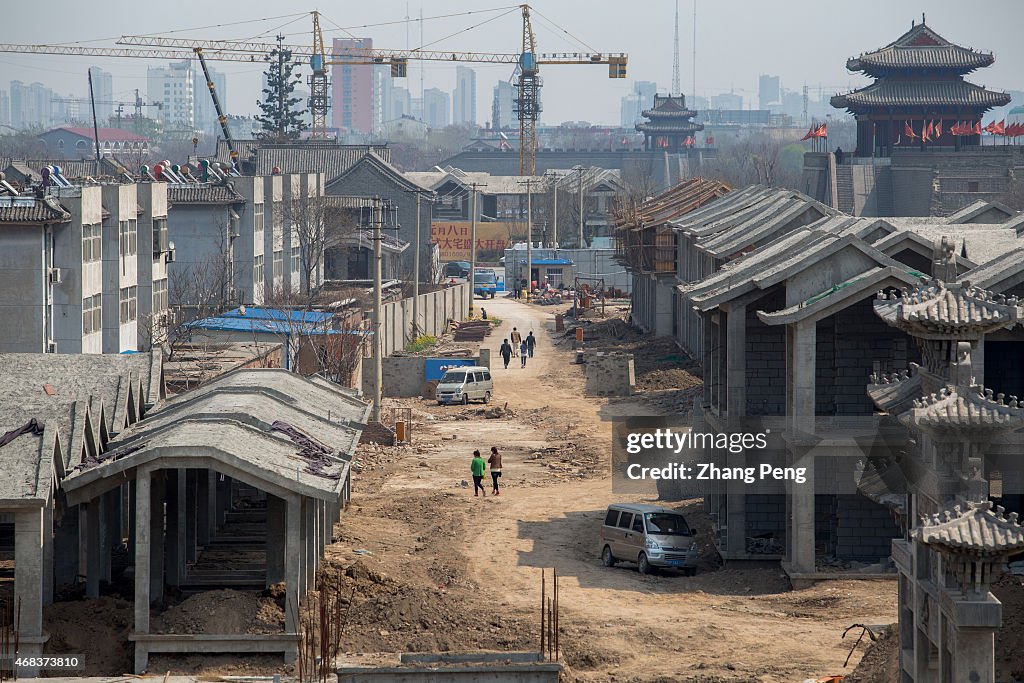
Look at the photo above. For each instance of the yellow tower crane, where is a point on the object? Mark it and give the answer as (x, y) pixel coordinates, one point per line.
(527, 61)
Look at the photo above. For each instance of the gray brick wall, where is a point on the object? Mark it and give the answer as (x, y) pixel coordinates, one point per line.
(766, 360)
(865, 529)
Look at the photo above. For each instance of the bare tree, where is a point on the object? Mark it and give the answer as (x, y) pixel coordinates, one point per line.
(308, 217)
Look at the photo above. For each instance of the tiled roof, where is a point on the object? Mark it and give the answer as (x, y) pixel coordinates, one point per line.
(32, 210)
(679, 126)
(976, 528)
(921, 48)
(895, 392)
(308, 156)
(958, 408)
(889, 93)
(935, 307)
(203, 194)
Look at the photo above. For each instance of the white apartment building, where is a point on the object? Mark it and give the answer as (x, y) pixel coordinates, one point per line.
(464, 106)
(174, 87)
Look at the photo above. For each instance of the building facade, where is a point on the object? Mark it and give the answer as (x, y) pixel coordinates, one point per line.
(503, 107)
(437, 105)
(464, 105)
(352, 87)
(174, 87)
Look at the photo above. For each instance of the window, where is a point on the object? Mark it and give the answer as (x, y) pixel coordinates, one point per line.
(160, 301)
(626, 520)
(128, 298)
(92, 246)
(128, 242)
(972, 186)
(92, 308)
(257, 217)
(257, 269)
(278, 263)
(296, 259)
(159, 236)
(611, 518)
(638, 523)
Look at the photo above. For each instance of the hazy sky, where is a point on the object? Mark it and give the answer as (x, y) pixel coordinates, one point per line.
(802, 41)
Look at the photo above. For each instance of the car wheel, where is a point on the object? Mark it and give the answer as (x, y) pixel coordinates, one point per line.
(642, 565)
(607, 559)
(487, 397)
(465, 399)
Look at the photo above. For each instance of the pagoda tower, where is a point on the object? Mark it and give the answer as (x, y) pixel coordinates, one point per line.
(669, 125)
(919, 80)
(956, 542)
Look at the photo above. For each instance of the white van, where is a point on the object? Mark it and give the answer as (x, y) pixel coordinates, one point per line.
(465, 384)
(650, 535)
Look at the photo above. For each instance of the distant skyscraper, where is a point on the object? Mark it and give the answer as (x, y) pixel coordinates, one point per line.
(465, 96)
(768, 91)
(402, 102)
(727, 100)
(352, 88)
(436, 108)
(502, 109)
(31, 105)
(175, 88)
(383, 96)
(635, 103)
(5, 108)
(103, 91)
(205, 112)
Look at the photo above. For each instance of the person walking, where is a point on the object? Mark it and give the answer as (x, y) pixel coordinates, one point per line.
(523, 350)
(531, 341)
(506, 352)
(517, 339)
(495, 462)
(477, 467)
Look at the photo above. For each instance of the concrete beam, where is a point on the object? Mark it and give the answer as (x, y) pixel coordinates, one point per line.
(143, 518)
(292, 563)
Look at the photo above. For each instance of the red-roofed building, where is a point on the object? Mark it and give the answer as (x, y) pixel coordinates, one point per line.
(68, 142)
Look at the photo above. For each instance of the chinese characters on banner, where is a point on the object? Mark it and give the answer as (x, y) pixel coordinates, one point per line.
(453, 238)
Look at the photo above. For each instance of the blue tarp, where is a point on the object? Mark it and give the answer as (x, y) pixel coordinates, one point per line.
(434, 368)
(255, 313)
(551, 262)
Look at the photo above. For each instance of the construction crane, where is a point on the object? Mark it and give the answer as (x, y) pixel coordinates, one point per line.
(139, 103)
(223, 120)
(527, 61)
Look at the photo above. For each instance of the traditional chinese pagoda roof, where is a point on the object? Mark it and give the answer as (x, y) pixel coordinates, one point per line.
(895, 392)
(669, 116)
(945, 92)
(937, 310)
(973, 528)
(920, 48)
(962, 408)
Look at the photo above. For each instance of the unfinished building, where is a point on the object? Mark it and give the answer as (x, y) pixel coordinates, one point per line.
(253, 466)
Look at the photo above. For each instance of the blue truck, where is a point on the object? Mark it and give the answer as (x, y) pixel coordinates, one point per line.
(485, 283)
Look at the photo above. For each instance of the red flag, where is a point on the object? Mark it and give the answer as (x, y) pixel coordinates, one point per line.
(977, 127)
(809, 134)
(955, 129)
(924, 132)
(822, 131)
(908, 130)
(938, 129)
(990, 128)
(1000, 128)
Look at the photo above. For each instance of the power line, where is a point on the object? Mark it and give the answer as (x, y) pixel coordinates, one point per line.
(439, 16)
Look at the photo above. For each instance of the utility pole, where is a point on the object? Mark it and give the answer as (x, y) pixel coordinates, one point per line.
(529, 236)
(378, 346)
(554, 208)
(416, 266)
(581, 208)
(472, 248)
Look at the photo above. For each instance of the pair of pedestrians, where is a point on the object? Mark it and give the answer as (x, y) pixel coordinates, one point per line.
(478, 467)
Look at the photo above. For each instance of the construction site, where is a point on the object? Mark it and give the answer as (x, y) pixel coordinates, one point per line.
(353, 388)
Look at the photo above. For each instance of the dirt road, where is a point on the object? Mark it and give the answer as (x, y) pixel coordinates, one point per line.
(467, 570)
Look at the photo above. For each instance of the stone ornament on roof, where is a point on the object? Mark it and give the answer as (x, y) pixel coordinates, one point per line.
(976, 528)
(957, 310)
(956, 408)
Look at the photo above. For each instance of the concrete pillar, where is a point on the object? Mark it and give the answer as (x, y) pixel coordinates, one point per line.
(28, 566)
(974, 656)
(143, 518)
(48, 575)
(191, 515)
(292, 563)
(207, 501)
(94, 543)
(157, 541)
(130, 516)
(323, 526)
(801, 341)
(736, 407)
(276, 511)
(307, 533)
(174, 547)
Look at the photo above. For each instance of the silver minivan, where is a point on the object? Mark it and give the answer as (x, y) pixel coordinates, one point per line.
(464, 384)
(649, 535)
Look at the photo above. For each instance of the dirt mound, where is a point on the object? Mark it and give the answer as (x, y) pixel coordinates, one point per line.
(881, 663)
(98, 628)
(222, 611)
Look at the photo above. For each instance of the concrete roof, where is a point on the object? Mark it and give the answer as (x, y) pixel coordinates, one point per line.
(234, 424)
(78, 398)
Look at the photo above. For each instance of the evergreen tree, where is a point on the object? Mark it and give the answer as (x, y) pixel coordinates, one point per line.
(281, 118)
